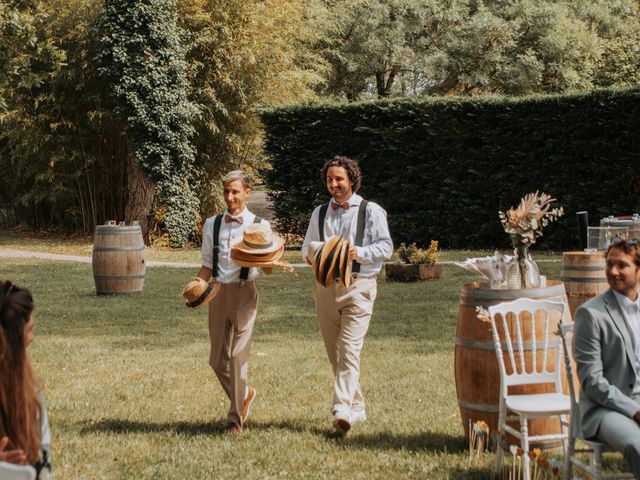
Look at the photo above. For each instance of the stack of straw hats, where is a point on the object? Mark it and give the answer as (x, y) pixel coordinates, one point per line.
(330, 261)
(199, 292)
(259, 248)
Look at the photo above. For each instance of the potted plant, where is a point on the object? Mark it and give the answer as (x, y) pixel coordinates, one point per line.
(416, 264)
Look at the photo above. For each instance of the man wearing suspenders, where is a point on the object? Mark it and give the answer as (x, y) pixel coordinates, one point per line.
(344, 313)
(232, 312)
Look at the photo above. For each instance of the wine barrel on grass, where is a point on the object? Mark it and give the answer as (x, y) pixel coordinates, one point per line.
(476, 365)
(118, 259)
(583, 275)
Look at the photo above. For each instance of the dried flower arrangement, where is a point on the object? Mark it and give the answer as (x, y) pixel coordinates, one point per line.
(418, 256)
(524, 224)
(478, 439)
(542, 466)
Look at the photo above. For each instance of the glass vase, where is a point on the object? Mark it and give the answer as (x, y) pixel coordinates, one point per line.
(522, 271)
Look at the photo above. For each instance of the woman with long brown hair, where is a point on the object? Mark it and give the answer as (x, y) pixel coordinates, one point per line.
(24, 430)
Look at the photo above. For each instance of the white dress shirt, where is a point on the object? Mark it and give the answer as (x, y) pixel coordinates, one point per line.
(377, 245)
(230, 234)
(631, 314)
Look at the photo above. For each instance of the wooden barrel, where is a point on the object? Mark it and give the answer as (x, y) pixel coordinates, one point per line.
(583, 275)
(476, 366)
(118, 259)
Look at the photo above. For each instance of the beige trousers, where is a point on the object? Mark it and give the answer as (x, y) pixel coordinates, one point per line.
(343, 315)
(232, 313)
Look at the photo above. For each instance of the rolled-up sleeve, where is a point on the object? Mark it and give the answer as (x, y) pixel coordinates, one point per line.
(378, 245)
(207, 243)
(313, 233)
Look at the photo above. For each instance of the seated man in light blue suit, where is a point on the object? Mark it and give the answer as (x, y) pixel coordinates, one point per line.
(606, 347)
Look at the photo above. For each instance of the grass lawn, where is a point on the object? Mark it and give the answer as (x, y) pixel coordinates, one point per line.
(130, 393)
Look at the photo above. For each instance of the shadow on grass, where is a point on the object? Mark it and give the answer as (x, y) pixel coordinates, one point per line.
(470, 473)
(426, 441)
(119, 426)
(420, 442)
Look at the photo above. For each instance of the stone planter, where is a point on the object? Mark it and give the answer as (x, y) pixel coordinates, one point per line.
(407, 272)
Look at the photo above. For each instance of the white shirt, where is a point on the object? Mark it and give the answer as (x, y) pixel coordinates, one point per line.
(631, 314)
(377, 245)
(230, 234)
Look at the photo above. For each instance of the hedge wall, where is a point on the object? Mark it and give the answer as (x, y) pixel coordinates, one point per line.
(442, 168)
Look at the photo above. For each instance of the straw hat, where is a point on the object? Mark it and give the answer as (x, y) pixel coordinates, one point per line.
(331, 261)
(257, 239)
(199, 292)
(268, 260)
(259, 248)
(260, 257)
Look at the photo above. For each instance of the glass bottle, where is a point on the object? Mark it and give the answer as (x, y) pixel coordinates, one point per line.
(522, 271)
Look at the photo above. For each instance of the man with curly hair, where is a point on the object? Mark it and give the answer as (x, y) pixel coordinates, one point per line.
(344, 312)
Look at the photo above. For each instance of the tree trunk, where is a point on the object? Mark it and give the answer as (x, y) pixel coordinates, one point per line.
(384, 87)
(450, 86)
(380, 84)
(142, 196)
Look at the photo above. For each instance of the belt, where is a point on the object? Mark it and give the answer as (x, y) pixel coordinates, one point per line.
(240, 283)
(355, 276)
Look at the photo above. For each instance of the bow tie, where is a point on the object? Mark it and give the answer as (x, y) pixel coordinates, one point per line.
(336, 205)
(229, 219)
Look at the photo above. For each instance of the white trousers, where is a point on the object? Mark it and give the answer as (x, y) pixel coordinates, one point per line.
(343, 315)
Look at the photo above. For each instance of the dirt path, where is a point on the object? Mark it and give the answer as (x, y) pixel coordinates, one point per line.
(259, 203)
(13, 253)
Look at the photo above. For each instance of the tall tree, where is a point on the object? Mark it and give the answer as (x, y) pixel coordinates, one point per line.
(29, 60)
(367, 43)
(404, 47)
(244, 54)
(142, 57)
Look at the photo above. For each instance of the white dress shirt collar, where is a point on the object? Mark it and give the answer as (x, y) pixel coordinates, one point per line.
(628, 306)
(631, 313)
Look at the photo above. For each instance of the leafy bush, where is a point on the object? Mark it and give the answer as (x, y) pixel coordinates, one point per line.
(141, 58)
(443, 168)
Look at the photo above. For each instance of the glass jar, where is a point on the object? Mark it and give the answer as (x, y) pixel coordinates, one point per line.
(522, 271)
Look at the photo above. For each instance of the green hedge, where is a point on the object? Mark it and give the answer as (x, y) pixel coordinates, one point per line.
(442, 168)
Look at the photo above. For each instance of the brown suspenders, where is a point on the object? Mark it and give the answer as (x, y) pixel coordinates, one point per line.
(244, 271)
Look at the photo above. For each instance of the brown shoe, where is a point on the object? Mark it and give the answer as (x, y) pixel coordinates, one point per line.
(341, 426)
(234, 428)
(246, 406)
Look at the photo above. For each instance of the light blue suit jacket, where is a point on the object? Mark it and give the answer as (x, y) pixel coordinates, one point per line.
(604, 354)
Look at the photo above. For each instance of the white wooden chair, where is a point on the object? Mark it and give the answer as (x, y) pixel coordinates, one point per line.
(9, 471)
(516, 318)
(593, 449)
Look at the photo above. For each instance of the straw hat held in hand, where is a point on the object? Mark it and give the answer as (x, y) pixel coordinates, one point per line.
(199, 292)
(259, 248)
(331, 261)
